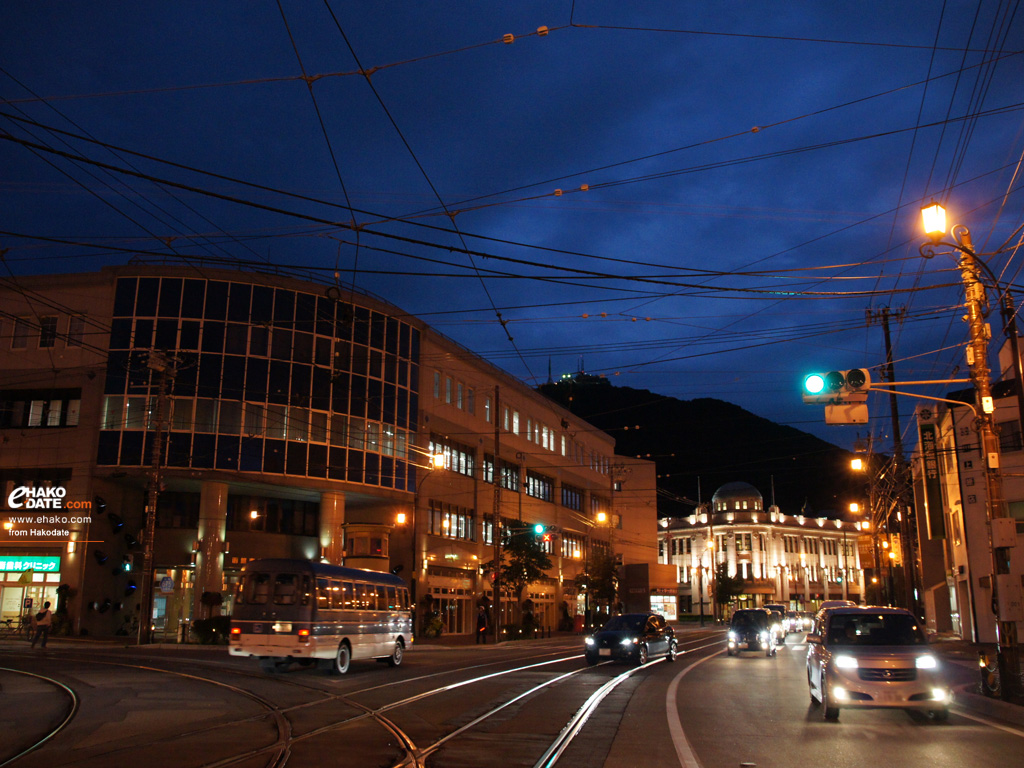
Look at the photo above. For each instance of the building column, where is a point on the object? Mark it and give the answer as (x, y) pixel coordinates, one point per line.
(332, 530)
(209, 571)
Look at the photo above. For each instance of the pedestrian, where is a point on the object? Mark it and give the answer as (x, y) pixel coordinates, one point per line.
(481, 625)
(43, 622)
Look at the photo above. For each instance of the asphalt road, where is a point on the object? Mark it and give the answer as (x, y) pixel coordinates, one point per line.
(516, 704)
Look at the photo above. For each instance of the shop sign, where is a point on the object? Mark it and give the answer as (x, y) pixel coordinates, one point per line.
(42, 564)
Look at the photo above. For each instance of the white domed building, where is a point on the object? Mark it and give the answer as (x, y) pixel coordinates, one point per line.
(794, 559)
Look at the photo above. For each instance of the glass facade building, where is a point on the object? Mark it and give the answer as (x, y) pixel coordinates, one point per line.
(259, 379)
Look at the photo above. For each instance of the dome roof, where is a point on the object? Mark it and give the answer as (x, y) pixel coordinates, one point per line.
(736, 492)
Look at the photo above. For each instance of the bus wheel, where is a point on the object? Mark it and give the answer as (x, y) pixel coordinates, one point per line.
(395, 658)
(342, 660)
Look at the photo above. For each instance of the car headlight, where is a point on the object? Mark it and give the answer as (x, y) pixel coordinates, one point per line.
(589, 641)
(940, 694)
(926, 662)
(846, 662)
(763, 636)
(628, 641)
(732, 636)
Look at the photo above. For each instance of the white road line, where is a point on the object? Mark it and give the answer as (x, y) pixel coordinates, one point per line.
(687, 758)
(985, 721)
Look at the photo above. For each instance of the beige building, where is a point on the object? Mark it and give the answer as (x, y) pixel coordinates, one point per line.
(295, 419)
(795, 560)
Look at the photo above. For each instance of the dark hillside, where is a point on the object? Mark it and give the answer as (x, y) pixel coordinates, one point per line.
(710, 442)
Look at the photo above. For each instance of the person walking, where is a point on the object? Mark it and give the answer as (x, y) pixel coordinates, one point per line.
(481, 625)
(43, 622)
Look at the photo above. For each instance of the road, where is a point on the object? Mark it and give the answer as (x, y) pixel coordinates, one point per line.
(518, 704)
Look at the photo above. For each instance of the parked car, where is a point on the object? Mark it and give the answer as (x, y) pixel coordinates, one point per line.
(632, 637)
(869, 657)
(750, 629)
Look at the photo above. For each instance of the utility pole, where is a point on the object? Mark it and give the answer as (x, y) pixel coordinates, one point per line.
(164, 370)
(496, 515)
(977, 359)
(901, 470)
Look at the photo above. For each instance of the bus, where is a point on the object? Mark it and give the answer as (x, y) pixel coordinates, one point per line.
(318, 614)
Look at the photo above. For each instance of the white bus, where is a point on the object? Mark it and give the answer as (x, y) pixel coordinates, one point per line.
(298, 610)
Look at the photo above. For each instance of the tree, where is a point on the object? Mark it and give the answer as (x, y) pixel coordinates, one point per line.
(603, 578)
(522, 559)
(727, 587)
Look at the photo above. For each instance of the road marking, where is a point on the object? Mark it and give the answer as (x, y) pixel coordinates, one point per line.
(990, 723)
(687, 757)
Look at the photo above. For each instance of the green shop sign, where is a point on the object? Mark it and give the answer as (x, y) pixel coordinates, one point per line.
(41, 564)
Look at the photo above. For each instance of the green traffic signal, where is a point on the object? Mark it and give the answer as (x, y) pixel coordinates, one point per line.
(835, 387)
(814, 384)
(538, 529)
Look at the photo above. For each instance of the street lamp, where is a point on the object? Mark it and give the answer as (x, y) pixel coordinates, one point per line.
(435, 460)
(971, 267)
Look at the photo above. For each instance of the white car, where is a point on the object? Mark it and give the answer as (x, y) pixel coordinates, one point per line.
(865, 658)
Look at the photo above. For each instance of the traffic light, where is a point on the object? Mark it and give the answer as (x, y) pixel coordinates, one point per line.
(835, 387)
(544, 532)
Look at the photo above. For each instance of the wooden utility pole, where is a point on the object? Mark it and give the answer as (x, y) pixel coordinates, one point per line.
(904, 504)
(496, 514)
(164, 370)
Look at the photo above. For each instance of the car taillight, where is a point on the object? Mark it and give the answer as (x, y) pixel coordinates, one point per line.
(303, 635)
(236, 631)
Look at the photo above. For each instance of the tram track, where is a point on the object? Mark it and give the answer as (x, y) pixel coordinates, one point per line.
(279, 752)
(69, 716)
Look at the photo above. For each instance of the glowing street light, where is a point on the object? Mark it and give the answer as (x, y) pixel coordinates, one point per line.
(934, 217)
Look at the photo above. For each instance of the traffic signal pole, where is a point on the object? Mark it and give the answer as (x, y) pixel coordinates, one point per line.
(902, 473)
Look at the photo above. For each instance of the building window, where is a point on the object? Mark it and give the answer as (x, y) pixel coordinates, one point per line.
(509, 473)
(539, 486)
(448, 389)
(47, 331)
(515, 422)
(451, 522)
(76, 330)
(487, 410)
(572, 497)
(458, 395)
(21, 409)
(20, 338)
(1009, 435)
(437, 385)
(457, 457)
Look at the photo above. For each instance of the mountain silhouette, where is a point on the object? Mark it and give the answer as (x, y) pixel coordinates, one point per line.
(700, 445)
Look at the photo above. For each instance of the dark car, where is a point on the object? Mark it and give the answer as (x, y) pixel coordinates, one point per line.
(751, 630)
(633, 637)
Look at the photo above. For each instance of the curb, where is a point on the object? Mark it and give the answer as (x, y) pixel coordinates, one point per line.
(975, 703)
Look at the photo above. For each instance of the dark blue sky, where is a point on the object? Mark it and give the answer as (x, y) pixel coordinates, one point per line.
(754, 171)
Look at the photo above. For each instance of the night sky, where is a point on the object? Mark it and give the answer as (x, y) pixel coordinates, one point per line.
(699, 199)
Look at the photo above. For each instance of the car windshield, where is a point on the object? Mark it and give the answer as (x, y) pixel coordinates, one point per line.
(625, 623)
(743, 619)
(875, 629)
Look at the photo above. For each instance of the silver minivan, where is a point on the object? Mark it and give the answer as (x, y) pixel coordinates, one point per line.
(870, 657)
